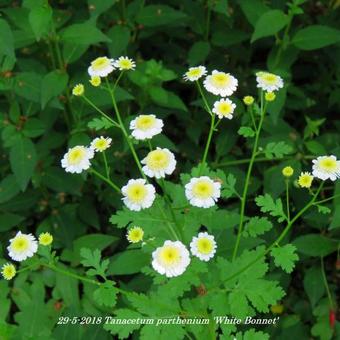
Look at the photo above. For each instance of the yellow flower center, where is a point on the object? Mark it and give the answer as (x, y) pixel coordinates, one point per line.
(95, 80)
(203, 189)
(169, 255)
(328, 164)
(305, 180)
(145, 122)
(78, 90)
(204, 246)
(220, 79)
(101, 144)
(125, 64)
(20, 244)
(270, 78)
(100, 63)
(135, 235)
(45, 239)
(8, 271)
(224, 108)
(76, 155)
(196, 72)
(157, 159)
(137, 192)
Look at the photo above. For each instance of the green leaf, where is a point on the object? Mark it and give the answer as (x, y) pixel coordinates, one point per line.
(269, 24)
(6, 40)
(285, 257)
(9, 220)
(96, 7)
(253, 9)
(40, 18)
(99, 124)
(252, 334)
(166, 98)
(277, 150)
(8, 188)
(273, 207)
(198, 52)
(323, 210)
(312, 286)
(120, 37)
(257, 226)
(52, 85)
(157, 15)
(93, 259)
(83, 34)
(23, 158)
(316, 36)
(315, 245)
(34, 127)
(106, 294)
(228, 187)
(246, 131)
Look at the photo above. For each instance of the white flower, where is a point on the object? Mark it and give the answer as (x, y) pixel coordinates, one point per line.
(101, 143)
(195, 73)
(326, 167)
(224, 108)
(22, 246)
(203, 246)
(124, 64)
(220, 83)
(171, 259)
(146, 126)
(138, 195)
(158, 163)
(268, 81)
(77, 159)
(202, 192)
(101, 67)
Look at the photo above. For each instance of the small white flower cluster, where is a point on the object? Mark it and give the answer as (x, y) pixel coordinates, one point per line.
(103, 66)
(326, 167)
(77, 159)
(173, 258)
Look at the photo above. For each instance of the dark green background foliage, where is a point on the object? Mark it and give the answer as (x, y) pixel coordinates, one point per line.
(45, 49)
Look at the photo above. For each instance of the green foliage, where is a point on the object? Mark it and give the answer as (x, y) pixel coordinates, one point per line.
(257, 226)
(285, 257)
(271, 206)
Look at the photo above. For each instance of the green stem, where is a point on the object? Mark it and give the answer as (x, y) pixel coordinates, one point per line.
(207, 107)
(100, 111)
(205, 154)
(106, 180)
(331, 304)
(326, 199)
(120, 122)
(246, 184)
(287, 199)
(150, 145)
(107, 170)
(207, 24)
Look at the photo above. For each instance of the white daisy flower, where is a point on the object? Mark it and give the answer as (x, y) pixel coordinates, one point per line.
(224, 108)
(158, 163)
(22, 246)
(220, 83)
(195, 73)
(268, 81)
(101, 67)
(146, 126)
(202, 192)
(138, 195)
(77, 159)
(101, 143)
(171, 259)
(124, 64)
(326, 167)
(203, 246)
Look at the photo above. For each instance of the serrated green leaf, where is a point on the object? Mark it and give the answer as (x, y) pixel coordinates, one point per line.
(285, 257)
(246, 131)
(273, 207)
(106, 294)
(99, 124)
(257, 226)
(277, 150)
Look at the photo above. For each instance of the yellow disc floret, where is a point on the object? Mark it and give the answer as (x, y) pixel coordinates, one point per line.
(157, 160)
(78, 90)
(20, 244)
(170, 255)
(270, 96)
(8, 271)
(100, 63)
(95, 81)
(145, 122)
(305, 180)
(76, 155)
(328, 164)
(220, 79)
(204, 245)
(203, 189)
(45, 239)
(287, 171)
(135, 235)
(248, 100)
(136, 192)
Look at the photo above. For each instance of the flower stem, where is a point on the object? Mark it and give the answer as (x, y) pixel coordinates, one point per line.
(287, 199)
(107, 169)
(205, 154)
(105, 179)
(331, 304)
(246, 184)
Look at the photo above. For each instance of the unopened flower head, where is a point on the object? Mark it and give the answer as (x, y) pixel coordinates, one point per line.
(171, 259)
(287, 171)
(203, 246)
(77, 159)
(202, 191)
(124, 64)
(8, 271)
(135, 234)
(101, 67)
(78, 90)
(158, 163)
(326, 167)
(100, 144)
(220, 83)
(138, 194)
(22, 246)
(45, 239)
(146, 126)
(248, 100)
(195, 73)
(269, 96)
(224, 108)
(305, 180)
(95, 81)
(268, 81)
